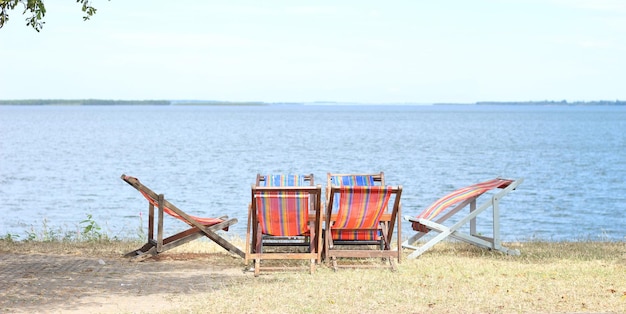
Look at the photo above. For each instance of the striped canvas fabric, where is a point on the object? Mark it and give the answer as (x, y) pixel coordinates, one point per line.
(202, 220)
(461, 195)
(350, 180)
(359, 212)
(283, 180)
(353, 180)
(283, 213)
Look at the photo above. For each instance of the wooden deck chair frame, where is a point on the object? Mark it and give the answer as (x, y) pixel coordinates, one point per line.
(199, 226)
(493, 243)
(255, 240)
(262, 180)
(389, 219)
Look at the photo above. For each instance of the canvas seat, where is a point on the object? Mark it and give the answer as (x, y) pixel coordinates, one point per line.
(285, 212)
(361, 216)
(199, 226)
(451, 205)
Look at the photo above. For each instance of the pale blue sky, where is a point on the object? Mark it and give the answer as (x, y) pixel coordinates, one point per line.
(347, 51)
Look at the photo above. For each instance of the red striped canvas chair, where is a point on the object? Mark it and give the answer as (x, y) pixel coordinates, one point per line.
(434, 216)
(363, 215)
(285, 211)
(279, 181)
(199, 226)
(362, 179)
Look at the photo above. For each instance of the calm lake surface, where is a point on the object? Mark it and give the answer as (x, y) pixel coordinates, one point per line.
(60, 163)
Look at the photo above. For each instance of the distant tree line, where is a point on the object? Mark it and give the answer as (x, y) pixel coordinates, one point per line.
(81, 102)
(108, 102)
(557, 103)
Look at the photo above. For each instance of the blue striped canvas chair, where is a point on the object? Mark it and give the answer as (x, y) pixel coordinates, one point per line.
(433, 217)
(285, 211)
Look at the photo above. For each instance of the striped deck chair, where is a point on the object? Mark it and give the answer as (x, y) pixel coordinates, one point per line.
(365, 179)
(199, 226)
(362, 215)
(278, 181)
(285, 211)
(433, 217)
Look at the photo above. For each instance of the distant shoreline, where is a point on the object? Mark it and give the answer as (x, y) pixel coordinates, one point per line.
(545, 103)
(109, 102)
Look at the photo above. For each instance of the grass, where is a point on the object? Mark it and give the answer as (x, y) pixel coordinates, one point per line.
(450, 278)
(456, 278)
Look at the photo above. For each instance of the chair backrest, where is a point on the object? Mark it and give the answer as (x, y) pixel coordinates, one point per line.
(359, 210)
(461, 195)
(360, 207)
(361, 179)
(282, 203)
(282, 213)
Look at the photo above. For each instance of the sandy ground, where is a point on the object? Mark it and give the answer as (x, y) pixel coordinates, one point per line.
(45, 283)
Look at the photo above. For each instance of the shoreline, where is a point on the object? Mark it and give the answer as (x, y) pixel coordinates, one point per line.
(168, 102)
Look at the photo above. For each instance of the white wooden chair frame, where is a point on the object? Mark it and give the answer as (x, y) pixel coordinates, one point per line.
(492, 243)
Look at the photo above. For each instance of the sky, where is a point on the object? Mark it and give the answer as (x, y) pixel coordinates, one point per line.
(413, 51)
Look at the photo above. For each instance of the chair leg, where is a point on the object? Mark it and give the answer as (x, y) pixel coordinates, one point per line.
(392, 262)
(147, 251)
(140, 250)
(257, 267)
(249, 227)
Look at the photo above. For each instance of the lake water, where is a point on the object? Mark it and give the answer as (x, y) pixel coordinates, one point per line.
(60, 163)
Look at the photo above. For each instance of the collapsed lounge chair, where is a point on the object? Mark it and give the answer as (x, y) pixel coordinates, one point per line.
(433, 217)
(199, 226)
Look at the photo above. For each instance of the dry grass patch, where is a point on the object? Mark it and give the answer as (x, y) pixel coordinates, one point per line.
(450, 278)
(107, 248)
(111, 249)
(456, 278)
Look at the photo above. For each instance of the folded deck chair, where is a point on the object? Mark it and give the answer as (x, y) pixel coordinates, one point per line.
(433, 217)
(199, 226)
(363, 216)
(284, 211)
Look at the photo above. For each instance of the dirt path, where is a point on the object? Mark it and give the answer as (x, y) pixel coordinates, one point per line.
(32, 283)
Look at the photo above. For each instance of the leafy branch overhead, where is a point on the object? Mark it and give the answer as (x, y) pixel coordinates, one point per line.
(35, 11)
